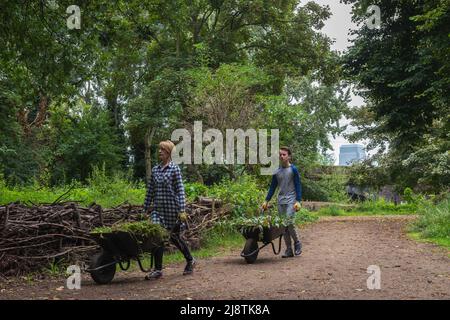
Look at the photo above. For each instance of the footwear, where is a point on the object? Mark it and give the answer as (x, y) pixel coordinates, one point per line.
(298, 248)
(155, 274)
(189, 269)
(288, 253)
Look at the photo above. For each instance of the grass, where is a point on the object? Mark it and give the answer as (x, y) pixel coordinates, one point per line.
(440, 241)
(381, 206)
(369, 208)
(433, 223)
(331, 211)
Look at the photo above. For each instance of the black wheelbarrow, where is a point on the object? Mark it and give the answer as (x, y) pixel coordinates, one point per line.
(267, 235)
(119, 247)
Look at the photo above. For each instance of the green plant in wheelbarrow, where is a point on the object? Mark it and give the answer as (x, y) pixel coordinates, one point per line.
(122, 242)
(264, 228)
(260, 222)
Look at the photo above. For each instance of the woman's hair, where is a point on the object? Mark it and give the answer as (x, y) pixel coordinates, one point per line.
(167, 145)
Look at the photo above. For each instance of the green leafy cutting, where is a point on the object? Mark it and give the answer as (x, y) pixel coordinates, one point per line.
(142, 229)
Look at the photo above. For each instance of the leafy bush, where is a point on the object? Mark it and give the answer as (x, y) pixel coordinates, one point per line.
(243, 194)
(140, 229)
(434, 220)
(312, 191)
(305, 216)
(333, 185)
(330, 188)
(111, 190)
(195, 189)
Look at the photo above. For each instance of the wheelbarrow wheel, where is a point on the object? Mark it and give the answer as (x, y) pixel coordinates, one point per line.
(251, 245)
(103, 275)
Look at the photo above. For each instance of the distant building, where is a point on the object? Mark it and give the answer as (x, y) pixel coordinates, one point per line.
(350, 153)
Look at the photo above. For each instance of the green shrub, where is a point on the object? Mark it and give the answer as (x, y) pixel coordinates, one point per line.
(243, 194)
(434, 220)
(305, 216)
(313, 191)
(329, 188)
(333, 185)
(195, 189)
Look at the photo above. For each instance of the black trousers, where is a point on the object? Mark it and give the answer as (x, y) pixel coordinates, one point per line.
(178, 242)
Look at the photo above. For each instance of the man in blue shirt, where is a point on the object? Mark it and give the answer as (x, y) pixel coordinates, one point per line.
(287, 179)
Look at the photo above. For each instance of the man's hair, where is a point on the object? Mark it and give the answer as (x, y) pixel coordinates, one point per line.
(287, 149)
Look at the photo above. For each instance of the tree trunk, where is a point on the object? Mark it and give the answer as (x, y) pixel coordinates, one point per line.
(148, 156)
(41, 115)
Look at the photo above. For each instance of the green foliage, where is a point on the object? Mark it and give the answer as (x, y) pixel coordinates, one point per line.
(402, 71)
(410, 197)
(381, 206)
(331, 211)
(312, 191)
(260, 221)
(140, 229)
(194, 190)
(88, 97)
(55, 268)
(330, 187)
(305, 216)
(17, 159)
(244, 194)
(82, 138)
(107, 191)
(434, 220)
(308, 114)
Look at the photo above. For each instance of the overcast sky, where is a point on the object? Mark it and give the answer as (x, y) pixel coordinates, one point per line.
(337, 27)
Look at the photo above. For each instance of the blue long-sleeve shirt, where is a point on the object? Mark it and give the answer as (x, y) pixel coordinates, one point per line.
(289, 183)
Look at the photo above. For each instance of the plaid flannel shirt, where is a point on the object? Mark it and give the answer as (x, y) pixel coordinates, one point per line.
(166, 193)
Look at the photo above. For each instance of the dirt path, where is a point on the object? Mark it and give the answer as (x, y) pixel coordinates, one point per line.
(336, 254)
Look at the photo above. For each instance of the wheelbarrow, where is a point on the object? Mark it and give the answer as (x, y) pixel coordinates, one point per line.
(119, 248)
(266, 235)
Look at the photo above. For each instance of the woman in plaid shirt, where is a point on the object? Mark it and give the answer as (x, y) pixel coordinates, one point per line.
(165, 197)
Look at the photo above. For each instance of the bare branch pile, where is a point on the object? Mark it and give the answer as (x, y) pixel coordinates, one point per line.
(32, 237)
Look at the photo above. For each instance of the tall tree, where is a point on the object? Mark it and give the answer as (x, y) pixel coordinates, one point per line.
(401, 69)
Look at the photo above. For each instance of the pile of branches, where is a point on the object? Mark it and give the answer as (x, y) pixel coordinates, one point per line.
(203, 213)
(33, 237)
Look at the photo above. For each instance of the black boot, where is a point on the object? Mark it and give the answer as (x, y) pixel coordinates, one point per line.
(155, 274)
(288, 253)
(298, 248)
(189, 269)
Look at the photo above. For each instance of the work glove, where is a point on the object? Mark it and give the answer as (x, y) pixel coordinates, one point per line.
(265, 205)
(297, 206)
(182, 216)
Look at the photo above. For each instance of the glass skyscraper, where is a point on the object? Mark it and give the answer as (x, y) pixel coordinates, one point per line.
(351, 153)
